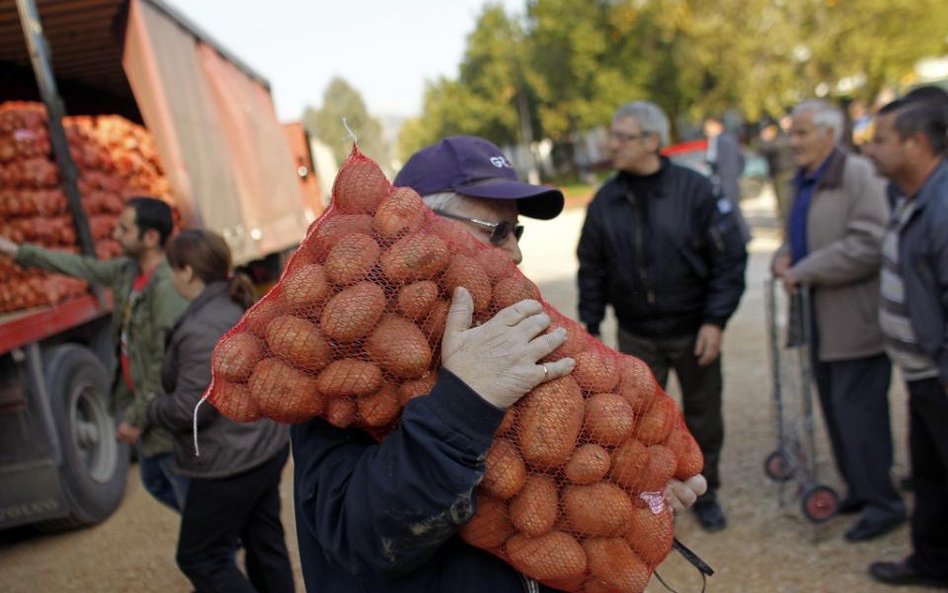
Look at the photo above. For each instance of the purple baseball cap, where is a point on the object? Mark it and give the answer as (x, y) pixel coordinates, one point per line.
(472, 166)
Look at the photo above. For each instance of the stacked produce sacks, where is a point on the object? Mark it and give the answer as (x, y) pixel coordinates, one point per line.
(572, 494)
(115, 158)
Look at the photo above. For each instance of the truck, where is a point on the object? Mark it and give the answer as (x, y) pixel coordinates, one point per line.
(231, 170)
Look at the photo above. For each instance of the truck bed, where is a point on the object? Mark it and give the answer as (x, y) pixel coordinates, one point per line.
(20, 328)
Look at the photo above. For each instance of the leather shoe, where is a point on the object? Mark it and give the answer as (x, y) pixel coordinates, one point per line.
(903, 573)
(850, 506)
(866, 529)
(710, 516)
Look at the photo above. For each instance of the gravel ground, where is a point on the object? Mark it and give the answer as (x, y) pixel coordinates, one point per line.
(768, 546)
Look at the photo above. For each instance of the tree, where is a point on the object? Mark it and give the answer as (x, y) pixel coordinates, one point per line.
(487, 97)
(340, 100)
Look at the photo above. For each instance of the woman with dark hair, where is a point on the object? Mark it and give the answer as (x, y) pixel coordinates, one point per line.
(233, 494)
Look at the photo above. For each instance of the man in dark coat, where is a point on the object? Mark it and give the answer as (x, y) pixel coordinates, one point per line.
(668, 255)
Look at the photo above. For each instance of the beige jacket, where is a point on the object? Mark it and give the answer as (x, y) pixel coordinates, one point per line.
(845, 226)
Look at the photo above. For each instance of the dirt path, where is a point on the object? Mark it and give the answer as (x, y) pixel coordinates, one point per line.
(767, 548)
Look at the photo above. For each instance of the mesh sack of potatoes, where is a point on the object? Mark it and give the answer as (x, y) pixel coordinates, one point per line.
(572, 491)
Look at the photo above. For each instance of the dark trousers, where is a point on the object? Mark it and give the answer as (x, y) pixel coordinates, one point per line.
(928, 440)
(221, 514)
(700, 390)
(854, 398)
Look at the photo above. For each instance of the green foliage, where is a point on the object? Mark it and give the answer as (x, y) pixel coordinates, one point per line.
(340, 100)
(565, 65)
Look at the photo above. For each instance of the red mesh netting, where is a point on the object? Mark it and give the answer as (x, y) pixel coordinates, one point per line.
(572, 494)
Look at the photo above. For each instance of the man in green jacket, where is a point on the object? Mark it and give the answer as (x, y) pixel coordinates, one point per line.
(146, 307)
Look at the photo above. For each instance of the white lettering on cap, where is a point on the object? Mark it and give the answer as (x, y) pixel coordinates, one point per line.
(499, 162)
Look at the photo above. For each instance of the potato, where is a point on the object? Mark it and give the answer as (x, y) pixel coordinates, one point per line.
(589, 463)
(353, 313)
(340, 412)
(613, 562)
(510, 418)
(576, 338)
(349, 377)
(650, 533)
(659, 469)
(331, 229)
(259, 316)
(305, 288)
(360, 186)
(420, 386)
(534, 509)
(351, 259)
(433, 323)
(399, 347)
(235, 356)
(656, 423)
(234, 401)
(496, 262)
(415, 300)
(572, 584)
(554, 556)
(609, 418)
(504, 471)
(597, 509)
(513, 289)
(467, 272)
(550, 418)
(490, 527)
(690, 461)
(457, 235)
(298, 342)
(415, 257)
(628, 464)
(595, 370)
(380, 408)
(402, 212)
(284, 393)
(637, 383)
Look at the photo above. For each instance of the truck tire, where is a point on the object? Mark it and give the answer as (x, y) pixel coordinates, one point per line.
(94, 465)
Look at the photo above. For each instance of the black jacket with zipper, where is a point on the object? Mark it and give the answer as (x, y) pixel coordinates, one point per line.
(668, 262)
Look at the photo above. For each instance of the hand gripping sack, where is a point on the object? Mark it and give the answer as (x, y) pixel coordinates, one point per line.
(572, 491)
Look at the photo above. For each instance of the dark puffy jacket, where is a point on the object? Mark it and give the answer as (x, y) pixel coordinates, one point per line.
(923, 262)
(227, 448)
(667, 263)
(383, 517)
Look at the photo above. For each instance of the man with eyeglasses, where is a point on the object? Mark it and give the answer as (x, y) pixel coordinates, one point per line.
(669, 256)
(383, 517)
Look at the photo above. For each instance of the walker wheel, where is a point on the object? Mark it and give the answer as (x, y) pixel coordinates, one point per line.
(777, 467)
(819, 503)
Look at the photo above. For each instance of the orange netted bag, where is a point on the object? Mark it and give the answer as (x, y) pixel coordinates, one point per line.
(572, 494)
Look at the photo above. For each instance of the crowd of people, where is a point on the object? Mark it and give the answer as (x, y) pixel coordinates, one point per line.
(663, 245)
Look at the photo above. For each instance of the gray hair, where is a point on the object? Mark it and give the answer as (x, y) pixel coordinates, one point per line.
(649, 116)
(441, 200)
(824, 116)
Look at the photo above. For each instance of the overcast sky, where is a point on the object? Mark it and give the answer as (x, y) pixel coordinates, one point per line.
(385, 49)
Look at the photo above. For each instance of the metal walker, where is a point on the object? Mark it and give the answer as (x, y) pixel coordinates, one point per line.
(789, 329)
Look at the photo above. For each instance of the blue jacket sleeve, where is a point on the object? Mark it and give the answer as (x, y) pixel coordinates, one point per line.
(384, 509)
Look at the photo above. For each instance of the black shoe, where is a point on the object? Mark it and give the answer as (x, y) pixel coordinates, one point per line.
(866, 529)
(850, 506)
(710, 516)
(903, 573)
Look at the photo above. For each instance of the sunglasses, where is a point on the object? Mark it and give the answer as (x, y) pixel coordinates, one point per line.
(499, 231)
